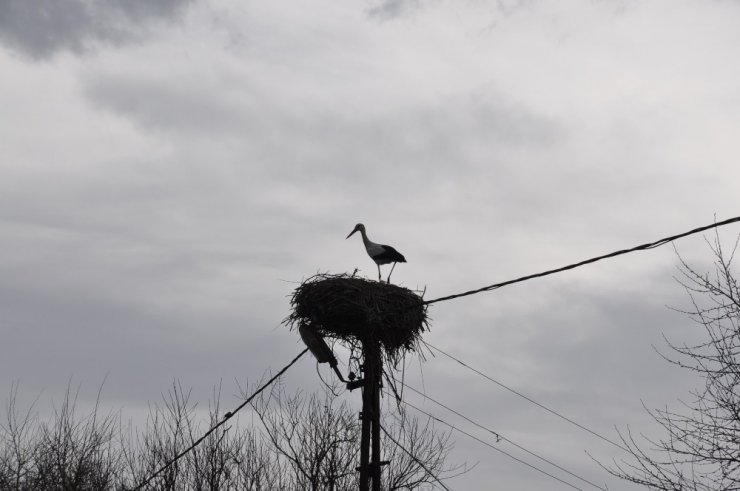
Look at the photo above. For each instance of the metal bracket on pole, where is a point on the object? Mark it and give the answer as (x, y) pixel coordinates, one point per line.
(373, 466)
(355, 384)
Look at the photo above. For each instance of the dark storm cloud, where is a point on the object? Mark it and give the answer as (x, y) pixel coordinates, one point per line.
(39, 29)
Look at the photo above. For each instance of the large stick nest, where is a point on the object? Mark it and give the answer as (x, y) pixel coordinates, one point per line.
(357, 310)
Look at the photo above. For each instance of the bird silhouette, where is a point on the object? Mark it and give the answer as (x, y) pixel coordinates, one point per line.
(380, 253)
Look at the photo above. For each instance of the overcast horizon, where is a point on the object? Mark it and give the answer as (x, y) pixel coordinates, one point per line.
(173, 169)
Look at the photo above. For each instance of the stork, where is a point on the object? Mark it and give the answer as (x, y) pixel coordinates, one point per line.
(381, 254)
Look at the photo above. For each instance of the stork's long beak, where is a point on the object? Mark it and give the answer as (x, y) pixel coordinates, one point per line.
(350, 234)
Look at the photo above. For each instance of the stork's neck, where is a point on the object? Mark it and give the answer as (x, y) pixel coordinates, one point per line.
(365, 240)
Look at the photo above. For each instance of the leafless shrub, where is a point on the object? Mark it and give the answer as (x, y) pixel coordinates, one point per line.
(69, 452)
(17, 436)
(319, 437)
(229, 458)
(429, 449)
(308, 441)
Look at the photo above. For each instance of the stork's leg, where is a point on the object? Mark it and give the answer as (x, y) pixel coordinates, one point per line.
(389, 274)
(379, 277)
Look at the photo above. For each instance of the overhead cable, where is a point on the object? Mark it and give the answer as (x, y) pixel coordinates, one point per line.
(532, 466)
(642, 247)
(552, 411)
(499, 436)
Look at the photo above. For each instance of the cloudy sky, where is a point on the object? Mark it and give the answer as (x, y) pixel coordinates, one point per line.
(172, 169)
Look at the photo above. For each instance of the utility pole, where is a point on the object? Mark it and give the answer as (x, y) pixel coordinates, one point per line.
(377, 371)
(370, 416)
(366, 419)
(371, 382)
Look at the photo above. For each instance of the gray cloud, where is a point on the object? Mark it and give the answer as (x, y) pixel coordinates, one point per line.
(387, 10)
(157, 207)
(39, 29)
(168, 104)
(391, 9)
(459, 135)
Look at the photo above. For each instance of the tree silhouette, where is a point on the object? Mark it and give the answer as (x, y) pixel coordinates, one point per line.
(306, 441)
(700, 446)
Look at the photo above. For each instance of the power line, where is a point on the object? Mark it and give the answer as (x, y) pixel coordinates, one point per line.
(649, 245)
(499, 436)
(414, 458)
(227, 417)
(426, 396)
(493, 447)
(552, 411)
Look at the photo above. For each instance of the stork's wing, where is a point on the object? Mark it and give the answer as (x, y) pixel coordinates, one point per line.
(389, 255)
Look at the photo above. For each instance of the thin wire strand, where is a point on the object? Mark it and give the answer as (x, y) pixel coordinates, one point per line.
(552, 411)
(414, 458)
(493, 447)
(227, 417)
(649, 245)
(499, 437)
